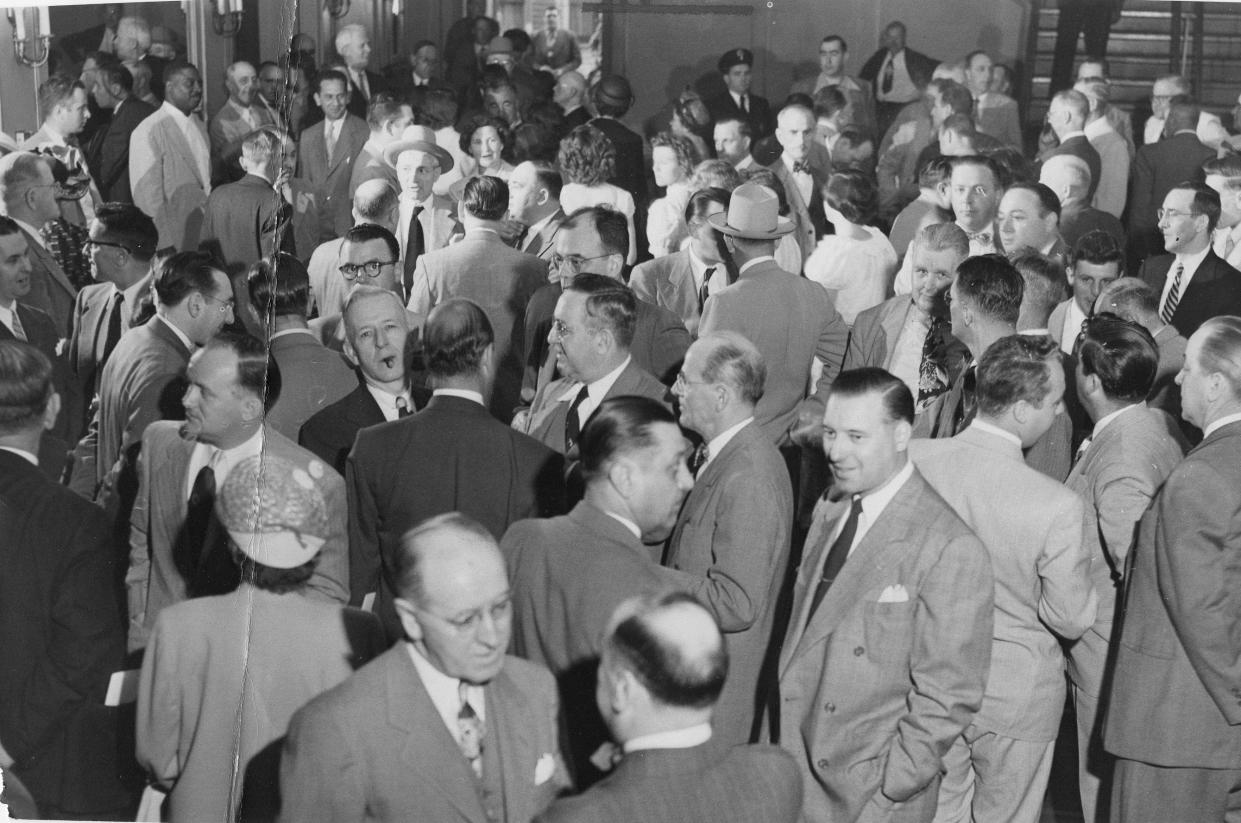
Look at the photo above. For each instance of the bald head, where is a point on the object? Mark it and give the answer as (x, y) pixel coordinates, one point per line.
(570, 90)
(376, 201)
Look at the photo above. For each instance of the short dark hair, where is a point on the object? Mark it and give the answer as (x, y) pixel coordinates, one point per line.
(955, 95)
(984, 161)
(699, 201)
(328, 75)
(1098, 247)
(993, 285)
(620, 425)
(439, 109)
(835, 38)
(898, 400)
(549, 177)
(485, 197)
(828, 101)
(1228, 167)
(1121, 353)
(610, 303)
(457, 333)
(1043, 280)
(1015, 368)
(1183, 114)
(383, 109)
(183, 273)
(852, 193)
(1206, 201)
(480, 121)
(25, 385)
(743, 126)
(114, 73)
(279, 286)
(128, 225)
(365, 232)
(611, 225)
(1047, 199)
(257, 371)
(664, 670)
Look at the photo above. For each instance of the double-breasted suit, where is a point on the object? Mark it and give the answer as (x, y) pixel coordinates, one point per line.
(329, 176)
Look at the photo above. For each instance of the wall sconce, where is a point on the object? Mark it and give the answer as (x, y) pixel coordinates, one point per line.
(227, 17)
(17, 19)
(337, 8)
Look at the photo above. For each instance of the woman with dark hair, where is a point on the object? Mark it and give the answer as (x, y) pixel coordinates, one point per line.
(587, 160)
(487, 143)
(858, 262)
(672, 163)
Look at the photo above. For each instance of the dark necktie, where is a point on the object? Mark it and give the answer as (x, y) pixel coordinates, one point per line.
(402, 408)
(206, 565)
(520, 242)
(889, 71)
(931, 375)
(702, 291)
(801, 167)
(573, 426)
(983, 238)
(114, 329)
(963, 414)
(1174, 295)
(745, 105)
(470, 731)
(414, 246)
(698, 459)
(838, 553)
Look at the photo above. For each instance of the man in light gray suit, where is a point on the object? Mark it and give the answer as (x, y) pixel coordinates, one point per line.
(28, 196)
(731, 543)
(1119, 469)
(894, 592)
(327, 151)
(1034, 530)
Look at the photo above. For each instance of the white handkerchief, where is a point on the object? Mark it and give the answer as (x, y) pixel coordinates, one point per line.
(894, 594)
(544, 769)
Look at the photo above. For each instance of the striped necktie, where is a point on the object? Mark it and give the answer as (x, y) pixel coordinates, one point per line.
(1174, 295)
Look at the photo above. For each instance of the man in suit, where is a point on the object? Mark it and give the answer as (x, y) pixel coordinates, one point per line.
(1194, 284)
(534, 202)
(994, 113)
(421, 70)
(388, 117)
(1067, 115)
(1068, 177)
(682, 281)
(894, 591)
(733, 139)
(169, 161)
(19, 321)
(998, 769)
(898, 74)
(27, 192)
(731, 542)
(444, 726)
(789, 320)
(1104, 127)
(612, 97)
(240, 115)
(247, 660)
(569, 573)
(736, 68)
(553, 48)
(113, 89)
(248, 220)
(1174, 718)
(1028, 219)
(271, 93)
(425, 220)
(984, 304)
(1157, 170)
(1223, 174)
(312, 375)
(326, 152)
(833, 54)
(795, 131)
(467, 461)
(911, 336)
(376, 328)
(1123, 464)
(177, 549)
(570, 94)
(353, 44)
(660, 676)
(64, 639)
(374, 203)
(1096, 263)
(1165, 92)
(483, 269)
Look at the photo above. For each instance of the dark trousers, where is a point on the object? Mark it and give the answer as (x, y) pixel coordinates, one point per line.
(1091, 17)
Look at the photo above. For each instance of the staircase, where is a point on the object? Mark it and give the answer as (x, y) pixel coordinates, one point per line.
(1145, 44)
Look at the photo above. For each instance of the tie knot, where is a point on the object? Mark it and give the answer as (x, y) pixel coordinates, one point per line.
(801, 167)
(855, 506)
(983, 237)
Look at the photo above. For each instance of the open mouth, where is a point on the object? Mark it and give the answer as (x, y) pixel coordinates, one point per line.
(389, 361)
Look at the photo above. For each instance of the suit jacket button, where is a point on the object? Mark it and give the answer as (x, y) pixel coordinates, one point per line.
(822, 764)
(859, 651)
(831, 707)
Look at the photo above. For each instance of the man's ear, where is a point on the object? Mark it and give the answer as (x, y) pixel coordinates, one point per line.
(409, 618)
(51, 412)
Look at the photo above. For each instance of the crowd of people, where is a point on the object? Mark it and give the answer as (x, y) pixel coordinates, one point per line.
(430, 445)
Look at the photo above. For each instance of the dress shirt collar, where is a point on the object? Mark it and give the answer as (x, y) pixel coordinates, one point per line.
(387, 401)
(699, 268)
(242, 111)
(874, 502)
(132, 292)
(178, 116)
(752, 263)
(1191, 262)
(1097, 128)
(1223, 421)
(1108, 418)
(717, 443)
(222, 460)
(6, 314)
(597, 390)
(409, 203)
(736, 97)
(1073, 319)
(185, 340)
(54, 137)
(789, 162)
(476, 230)
(464, 394)
(445, 691)
(538, 226)
(287, 332)
(22, 453)
(31, 230)
(627, 523)
(686, 738)
(987, 428)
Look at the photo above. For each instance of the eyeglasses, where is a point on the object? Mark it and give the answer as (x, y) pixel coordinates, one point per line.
(682, 381)
(562, 329)
(573, 262)
(470, 622)
(1172, 214)
(226, 306)
(87, 244)
(371, 268)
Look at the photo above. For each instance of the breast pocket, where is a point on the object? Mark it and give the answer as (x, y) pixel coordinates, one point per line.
(889, 631)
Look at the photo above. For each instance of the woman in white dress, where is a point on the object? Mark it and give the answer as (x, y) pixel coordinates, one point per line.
(587, 159)
(672, 163)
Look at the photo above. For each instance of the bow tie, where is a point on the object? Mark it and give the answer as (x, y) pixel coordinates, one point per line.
(801, 167)
(982, 237)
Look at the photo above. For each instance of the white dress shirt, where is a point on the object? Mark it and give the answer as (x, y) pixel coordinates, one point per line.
(686, 738)
(1217, 424)
(445, 692)
(1073, 319)
(903, 88)
(22, 453)
(6, 317)
(873, 504)
(803, 179)
(1191, 262)
(387, 402)
(595, 392)
(221, 460)
(717, 443)
(905, 357)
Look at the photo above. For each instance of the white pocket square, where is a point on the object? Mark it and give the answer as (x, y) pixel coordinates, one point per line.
(544, 769)
(894, 594)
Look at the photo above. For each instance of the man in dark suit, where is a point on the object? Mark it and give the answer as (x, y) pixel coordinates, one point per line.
(612, 97)
(312, 375)
(1159, 168)
(1194, 284)
(570, 573)
(732, 537)
(662, 669)
(114, 87)
(326, 152)
(376, 330)
(467, 461)
(444, 726)
(27, 192)
(353, 44)
(1174, 720)
(801, 177)
(483, 269)
(1068, 177)
(896, 592)
(736, 67)
(247, 221)
(19, 321)
(61, 635)
(534, 202)
(896, 73)
(1067, 115)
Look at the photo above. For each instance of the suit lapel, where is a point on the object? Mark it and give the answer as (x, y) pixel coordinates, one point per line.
(181, 145)
(506, 704)
(48, 262)
(892, 322)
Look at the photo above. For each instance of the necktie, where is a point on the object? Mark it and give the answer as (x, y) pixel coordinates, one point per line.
(572, 425)
(520, 242)
(963, 414)
(1081, 450)
(402, 408)
(699, 459)
(1174, 295)
(801, 167)
(702, 291)
(330, 136)
(205, 564)
(247, 114)
(982, 238)
(470, 731)
(415, 245)
(745, 104)
(931, 381)
(114, 329)
(16, 325)
(889, 72)
(838, 553)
